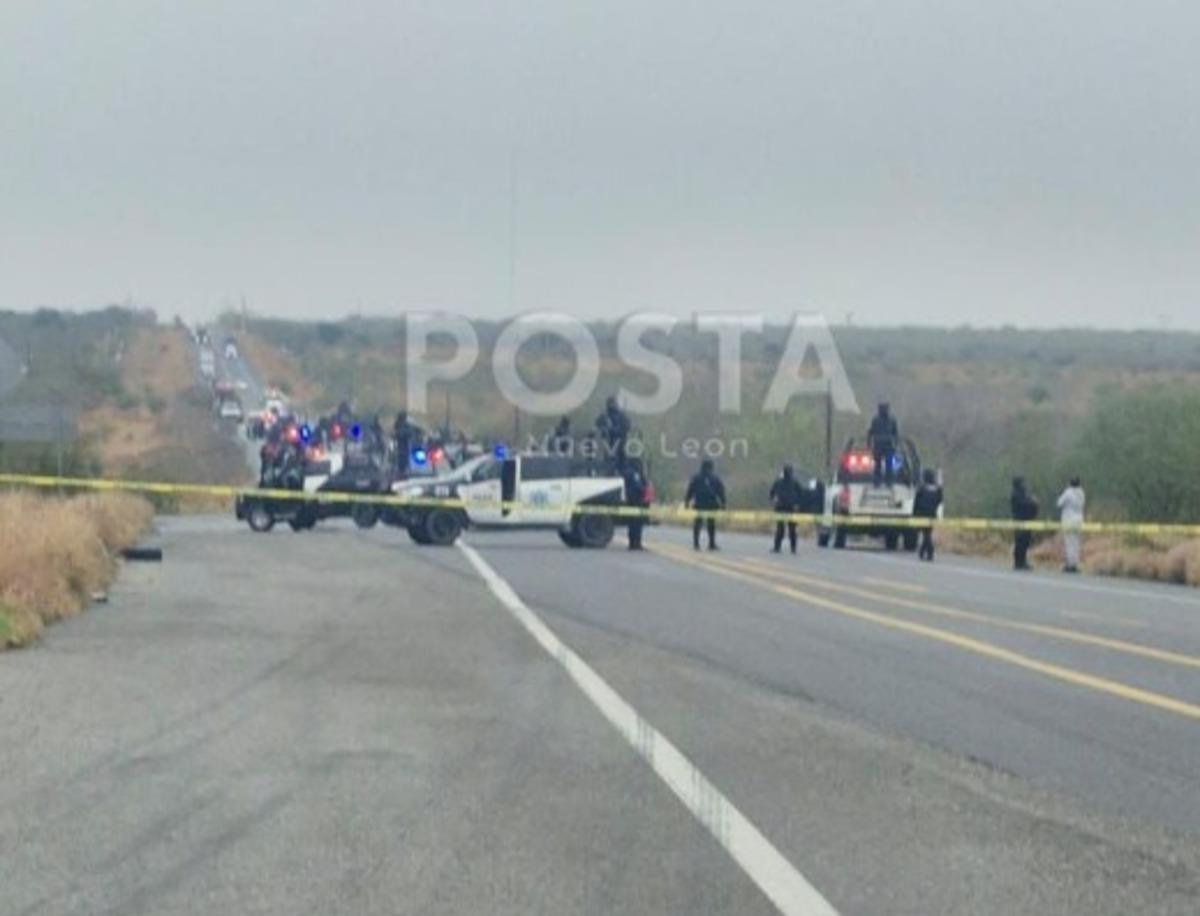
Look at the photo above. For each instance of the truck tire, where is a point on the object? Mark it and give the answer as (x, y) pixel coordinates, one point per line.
(365, 515)
(891, 539)
(442, 527)
(839, 539)
(910, 541)
(259, 518)
(417, 532)
(822, 538)
(569, 537)
(305, 520)
(592, 529)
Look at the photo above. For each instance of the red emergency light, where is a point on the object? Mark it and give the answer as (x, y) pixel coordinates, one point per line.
(858, 461)
(335, 431)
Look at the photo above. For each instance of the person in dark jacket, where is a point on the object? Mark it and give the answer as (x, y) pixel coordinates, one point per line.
(560, 439)
(705, 493)
(786, 496)
(635, 496)
(925, 505)
(882, 438)
(1024, 509)
(405, 434)
(613, 426)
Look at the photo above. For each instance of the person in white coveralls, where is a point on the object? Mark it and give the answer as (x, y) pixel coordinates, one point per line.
(1070, 507)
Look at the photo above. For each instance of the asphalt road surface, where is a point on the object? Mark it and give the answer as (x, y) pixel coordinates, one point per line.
(342, 722)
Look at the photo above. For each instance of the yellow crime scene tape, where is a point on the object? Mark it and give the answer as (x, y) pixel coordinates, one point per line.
(652, 513)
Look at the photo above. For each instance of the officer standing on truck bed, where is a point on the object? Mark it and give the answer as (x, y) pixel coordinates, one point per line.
(882, 438)
(404, 433)
(786, 496)
(560, 439)
(613, 426)
(705, 493)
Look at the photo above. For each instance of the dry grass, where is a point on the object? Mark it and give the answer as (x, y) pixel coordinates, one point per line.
(278, 368)
(1159, 559)
(122, 437)
(157, 363)
(56, 553)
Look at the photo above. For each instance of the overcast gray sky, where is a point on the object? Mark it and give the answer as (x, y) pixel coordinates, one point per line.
(1035, 163)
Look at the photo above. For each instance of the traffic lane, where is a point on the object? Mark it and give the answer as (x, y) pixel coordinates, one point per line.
(881, 823)
(1162, 614)
(1129, 659)
(325, 722)
(1118, 756)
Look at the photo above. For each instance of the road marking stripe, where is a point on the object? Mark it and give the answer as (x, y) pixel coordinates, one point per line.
(1116, 645)
(765, 865)
(967, 643)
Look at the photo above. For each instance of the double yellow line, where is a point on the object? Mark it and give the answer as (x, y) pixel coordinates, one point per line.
(764, 576)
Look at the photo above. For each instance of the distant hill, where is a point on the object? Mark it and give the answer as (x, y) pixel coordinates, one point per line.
(131, 384)
(983, 405)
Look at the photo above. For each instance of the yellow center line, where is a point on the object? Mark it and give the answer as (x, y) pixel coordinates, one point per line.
(966, 643)
(1116, 645)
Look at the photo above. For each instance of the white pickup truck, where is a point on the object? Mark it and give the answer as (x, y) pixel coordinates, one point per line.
(873, 509)
(516, 491)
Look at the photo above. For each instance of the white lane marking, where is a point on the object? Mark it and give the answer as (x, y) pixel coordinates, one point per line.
(765, 865)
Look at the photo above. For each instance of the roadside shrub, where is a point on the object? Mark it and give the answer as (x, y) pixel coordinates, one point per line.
(56, 552)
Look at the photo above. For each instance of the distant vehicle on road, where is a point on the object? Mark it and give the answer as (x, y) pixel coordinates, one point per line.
(208, 362)
(874, 509)
(230, 409)
(231, 350)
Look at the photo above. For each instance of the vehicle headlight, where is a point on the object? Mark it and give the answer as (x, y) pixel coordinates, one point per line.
(413, 492)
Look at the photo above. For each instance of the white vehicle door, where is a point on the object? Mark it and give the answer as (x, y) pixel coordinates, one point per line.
(482, 493)
(543, 490)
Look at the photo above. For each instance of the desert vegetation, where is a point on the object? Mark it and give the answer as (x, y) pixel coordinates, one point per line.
(57, 553)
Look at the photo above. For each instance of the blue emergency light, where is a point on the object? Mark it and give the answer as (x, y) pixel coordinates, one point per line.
(419, 456)
(355, 432)
(305, 433)
(499, 452)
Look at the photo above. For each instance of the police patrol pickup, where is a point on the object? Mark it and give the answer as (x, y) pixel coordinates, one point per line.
(529, 491)
(331, 472)
(874, 508)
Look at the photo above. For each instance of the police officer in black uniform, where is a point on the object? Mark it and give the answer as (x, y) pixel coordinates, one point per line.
(925, 505)
(882, 438)
(560, 439)
(1024, 509)
(786, 496)
(613, 426)
(705, 493)
(405, 434)
(635, 496)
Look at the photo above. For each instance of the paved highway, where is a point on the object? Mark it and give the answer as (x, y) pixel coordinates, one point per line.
(340, 721)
